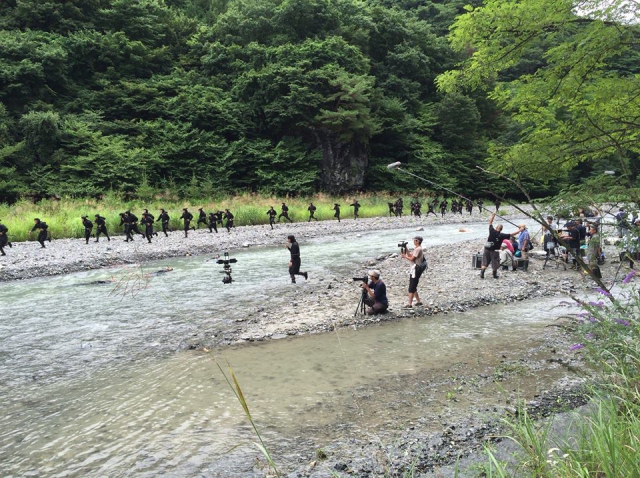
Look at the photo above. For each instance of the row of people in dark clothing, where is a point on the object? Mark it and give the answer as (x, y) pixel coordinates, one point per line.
(284, 212)
(457, 206)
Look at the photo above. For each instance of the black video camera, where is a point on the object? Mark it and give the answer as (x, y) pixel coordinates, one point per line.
(361, 279)
(226, 268)
(403, 246)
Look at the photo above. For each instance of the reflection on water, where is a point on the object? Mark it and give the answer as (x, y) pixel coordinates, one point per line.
(175, 415)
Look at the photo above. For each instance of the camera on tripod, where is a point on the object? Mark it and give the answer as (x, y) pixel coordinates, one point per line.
(403, 246)
(226, 268)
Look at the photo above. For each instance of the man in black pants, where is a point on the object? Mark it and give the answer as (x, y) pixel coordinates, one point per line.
(491, 253)
(336, 208)
(88, 227)
(186, 217)
(4, 239)
(356, 207)
(229, 217)
(284, 212)
(213, 219)
(294, 263)
(202, 217)
(42, 235)
(399, 205)
(272, 216)
(572, 238)
(164, 219)
(312, 212)
(133, 224)
(101, 227)
(147, 221)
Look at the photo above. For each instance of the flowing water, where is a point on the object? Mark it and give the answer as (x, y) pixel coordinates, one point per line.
(96, 384)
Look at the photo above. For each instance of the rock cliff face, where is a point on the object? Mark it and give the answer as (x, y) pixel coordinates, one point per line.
(343, 163)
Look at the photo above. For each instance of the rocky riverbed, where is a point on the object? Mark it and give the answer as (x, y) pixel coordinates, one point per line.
(326, 303)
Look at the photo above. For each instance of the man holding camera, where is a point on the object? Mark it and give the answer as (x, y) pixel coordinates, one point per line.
(376, 297)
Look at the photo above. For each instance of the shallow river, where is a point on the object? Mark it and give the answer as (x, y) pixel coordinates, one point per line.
(96, 384)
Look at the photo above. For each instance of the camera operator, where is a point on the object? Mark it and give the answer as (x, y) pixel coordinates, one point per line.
(376, 294)
(415, 257)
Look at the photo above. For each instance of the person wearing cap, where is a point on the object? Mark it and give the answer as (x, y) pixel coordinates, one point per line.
(491, 254)
(101, 227)
(376, 297)
(572, 238)
(506, 257)
(4, 239)
(524, 244)
(186, 217)
(88, 227)
(415, 257)
(295, 262)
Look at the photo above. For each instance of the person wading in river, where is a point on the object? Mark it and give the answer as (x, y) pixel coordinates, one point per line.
(294, 263)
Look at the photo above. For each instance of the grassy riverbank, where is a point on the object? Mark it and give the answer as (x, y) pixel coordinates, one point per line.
(605, 440)
(63, 216)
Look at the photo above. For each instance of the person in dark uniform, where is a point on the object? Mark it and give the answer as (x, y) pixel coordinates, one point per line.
(164, 218)
(294, 263)
(219, 216)
(4, 238)
(272, 213)
(284, 212)
(417, 208)
(312, 212)
(43, 234)
(443, 207)
(101, 227)
(147, 221)
(229, 217)
(392, 209)
(133, 224)
(125, 226)
(454, 206)
(336, 208)
(432, 205)
(479, 203)
(399, 205)
(356, 207)
(146, 211)
(202, 217)
(88, 227)
(469, 206)
(497, 203)
(186, 217)
(213, 219)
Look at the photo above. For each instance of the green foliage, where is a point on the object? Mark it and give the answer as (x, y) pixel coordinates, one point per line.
(572, 97)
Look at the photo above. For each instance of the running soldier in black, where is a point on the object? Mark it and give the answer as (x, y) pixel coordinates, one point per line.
(497, 203)
(443, 207)
(432, 205)
(219, 216)
(42, 235)
(312, 211)
(163, 217)
(399, 205)
(469, 206)
(88, 227)
(479, 203)
(294, 263)
(336, 208)
(4, 238)
(147, 221)
(101, 227)
(213, 219)
(356, 207)
(284, 212)
(392, 211)
(133, 224)
(187, 217)
(146, 211)
(229, 217)
(272, 213)
(202, 217)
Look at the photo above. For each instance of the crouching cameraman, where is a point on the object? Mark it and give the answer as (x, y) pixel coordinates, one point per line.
(376, 297)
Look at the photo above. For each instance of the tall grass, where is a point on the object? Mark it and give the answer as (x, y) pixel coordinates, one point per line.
(63, 216)
(606, 441)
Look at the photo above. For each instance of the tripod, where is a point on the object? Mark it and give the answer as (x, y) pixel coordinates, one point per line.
(361, 304)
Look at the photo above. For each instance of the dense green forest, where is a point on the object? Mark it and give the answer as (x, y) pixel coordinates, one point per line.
(200, 97)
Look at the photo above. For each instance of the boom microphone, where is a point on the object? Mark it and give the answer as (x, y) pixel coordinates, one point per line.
(395, 165)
